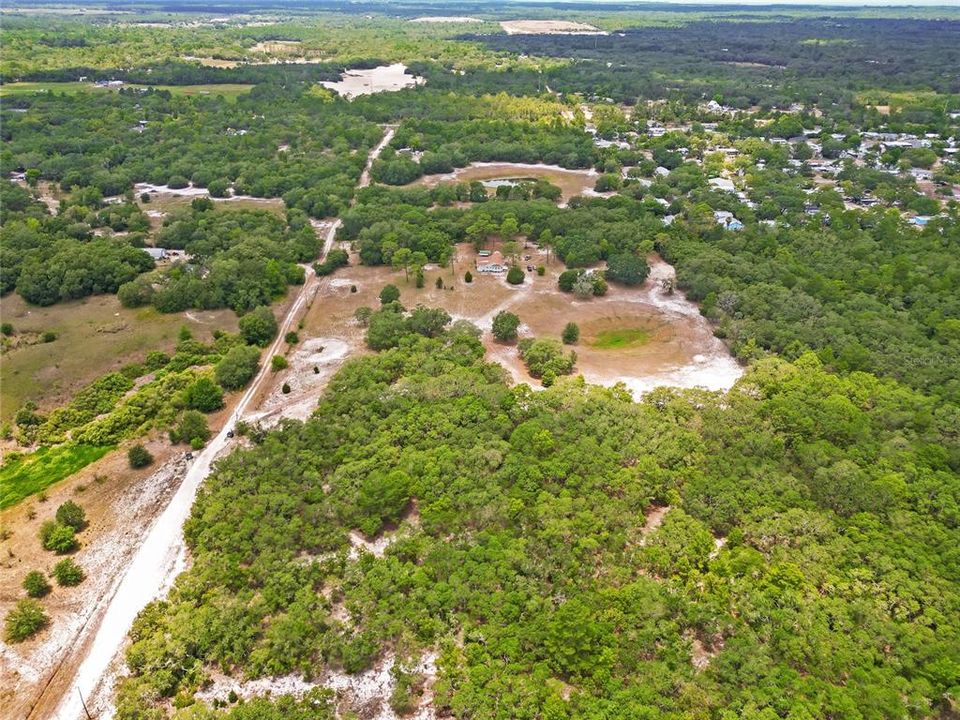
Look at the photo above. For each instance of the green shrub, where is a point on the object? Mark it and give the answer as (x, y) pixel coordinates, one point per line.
(139, 456)
(336, 258)
(68, 573)
(259, 326)
(291, 338)
(192, 429)
(389, 294)
(571, 333)
(204, 395)
(237, 367)
(156, 360)
(363, 315)
(278, 362)
(25, 619)
(545, 356)
(6, 328)
(58, 538)
(71, 515)
(505, 325)
(35, 583)
(515, 275)
(468, 277)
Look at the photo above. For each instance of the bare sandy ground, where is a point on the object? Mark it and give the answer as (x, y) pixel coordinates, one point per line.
(681, 350)
(446, 19)
(212, 62)
(120, 504)
(549, 27)
(386, 78)
(365, 694)
(570, 182)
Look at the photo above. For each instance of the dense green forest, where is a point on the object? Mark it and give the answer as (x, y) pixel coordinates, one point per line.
(109, 141)
(785, 549)
(815, 60)
(833, 593)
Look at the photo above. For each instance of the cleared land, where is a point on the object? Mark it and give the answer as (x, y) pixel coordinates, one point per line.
(570, 182)
(385, 78)
(680, 348)
(555, 27)
(94, 336)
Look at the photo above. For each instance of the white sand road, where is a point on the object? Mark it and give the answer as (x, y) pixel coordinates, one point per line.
(162, 556)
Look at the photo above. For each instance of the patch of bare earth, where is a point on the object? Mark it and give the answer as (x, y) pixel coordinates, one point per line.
(701, 653)
(570, 182)
(120, 505)
(549, 27)
(681, 350)
(385, 78)
(365, 694)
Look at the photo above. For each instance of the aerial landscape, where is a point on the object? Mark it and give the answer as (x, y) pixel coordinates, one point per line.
(421, 359)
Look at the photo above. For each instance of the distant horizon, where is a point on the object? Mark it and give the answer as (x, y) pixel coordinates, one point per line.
(756, 3)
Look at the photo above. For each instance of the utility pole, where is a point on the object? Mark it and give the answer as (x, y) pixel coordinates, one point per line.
(89, 716)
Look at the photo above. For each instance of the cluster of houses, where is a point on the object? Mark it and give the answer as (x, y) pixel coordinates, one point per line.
(867, 154)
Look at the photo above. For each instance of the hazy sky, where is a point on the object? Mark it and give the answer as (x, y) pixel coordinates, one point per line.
(887, 3)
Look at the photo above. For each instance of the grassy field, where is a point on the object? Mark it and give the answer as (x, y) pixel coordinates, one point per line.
(95, 335)
(901, 99)
(26, 475)
(620, 338)
(230, 91)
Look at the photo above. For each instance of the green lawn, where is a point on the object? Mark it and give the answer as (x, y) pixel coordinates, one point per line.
(620, 338)
(25, 475)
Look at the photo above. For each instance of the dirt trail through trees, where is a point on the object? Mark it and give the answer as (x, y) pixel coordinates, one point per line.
(162, 556)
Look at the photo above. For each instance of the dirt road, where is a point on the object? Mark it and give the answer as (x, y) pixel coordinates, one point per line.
(162, 555)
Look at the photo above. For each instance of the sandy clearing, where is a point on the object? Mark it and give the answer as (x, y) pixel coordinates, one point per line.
(366, 693)
(277, 47)
(549, 27)
(681, 351)
(654, 519)
(327, 355)
(211, 62)
(570, 182)
(385, 78)
(120, 507)
(446, 19)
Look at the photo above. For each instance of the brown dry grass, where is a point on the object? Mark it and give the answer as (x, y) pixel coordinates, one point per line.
(676, 339)
(570, 182)
(95, 335)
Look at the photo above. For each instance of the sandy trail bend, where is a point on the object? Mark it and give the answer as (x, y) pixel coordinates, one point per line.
(162, 556)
